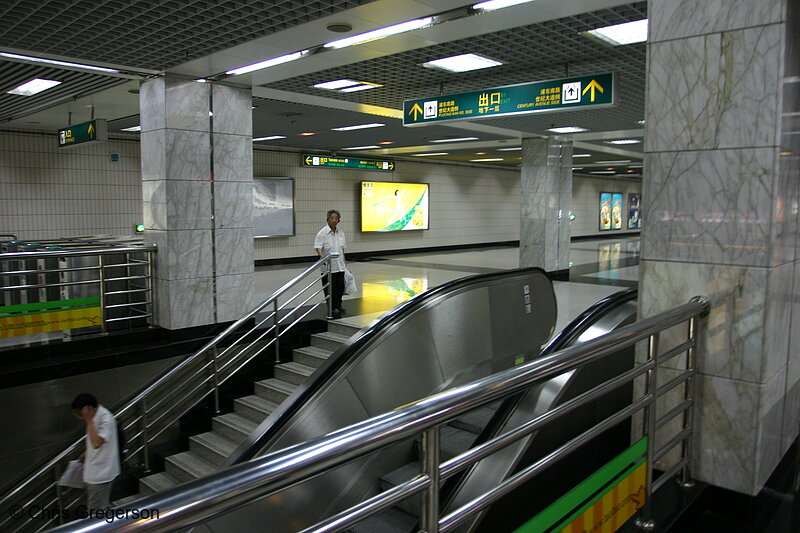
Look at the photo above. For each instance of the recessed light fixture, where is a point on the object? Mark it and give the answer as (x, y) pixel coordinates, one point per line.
(201, 80)
(624, 141)
(308, 133)
(55, 62)
(602, 172)
(462, 63)
(336, 84)
(386, 142)
(267, 63)
(431, 153)
(620, 34)
(640, 122)
(513, 148)
(619, 162)
(363, 87)
(567, 129)
(460, 139)
(132, 128)
(491, 5)
(270, 138)
(359, 126)
(635, 166)
(35, 86)
(380, 33)
(370, 147)
(581, 155)
(485, 160)
(577, 168)
(480, 153)
(339, 27)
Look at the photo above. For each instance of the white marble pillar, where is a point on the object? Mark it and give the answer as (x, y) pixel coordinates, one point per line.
(720, 209)
(196, 145)
(546, 188)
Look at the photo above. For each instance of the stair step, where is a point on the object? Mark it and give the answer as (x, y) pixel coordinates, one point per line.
(254, 407)
(293, 373)
(187, 466)
(413, 503)
(474, 421)
(155, 483)
(328, 341)
(233, 426)
(310, 356)
(211, 447)
(274, 390)
(123, 502)
(452, 441)
(390, 520)
(343, 327)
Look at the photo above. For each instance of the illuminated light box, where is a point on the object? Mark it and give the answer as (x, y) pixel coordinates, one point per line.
(388, 206)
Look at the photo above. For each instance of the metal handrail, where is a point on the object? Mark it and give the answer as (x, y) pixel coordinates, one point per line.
(206, 498)
(139, 427)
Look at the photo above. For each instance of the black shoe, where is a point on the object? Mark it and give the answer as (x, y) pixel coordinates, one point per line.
(337, 314)
(341, 310)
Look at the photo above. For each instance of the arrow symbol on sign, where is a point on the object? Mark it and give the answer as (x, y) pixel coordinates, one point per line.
(571, 90)
(391, 166)
(91, 130)
(593, 85)
(308, 160)
(416, 109)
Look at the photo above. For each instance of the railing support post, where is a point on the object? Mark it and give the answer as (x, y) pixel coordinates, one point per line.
(329, 295)
(277, 323)
(429, 519)
(145, 443)
(59, 496)
(215, 370)
(645, 520)
(102, 273)
(688, 414)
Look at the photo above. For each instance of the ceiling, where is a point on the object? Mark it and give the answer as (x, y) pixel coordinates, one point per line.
(536, 41)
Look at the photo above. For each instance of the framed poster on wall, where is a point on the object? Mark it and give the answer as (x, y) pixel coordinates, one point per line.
(616, 210)
(273, 207)
(605, 211)
(634, 211)
(393, 206)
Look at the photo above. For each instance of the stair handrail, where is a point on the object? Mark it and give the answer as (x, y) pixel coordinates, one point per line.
(51, 470)
(198, 501)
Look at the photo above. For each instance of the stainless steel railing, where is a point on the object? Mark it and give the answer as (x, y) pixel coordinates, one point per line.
(204, 499)
(119, 279)
(156, 410)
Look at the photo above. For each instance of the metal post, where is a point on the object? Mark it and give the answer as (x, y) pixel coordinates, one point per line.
(276, 321)
(102, 291)
(330, 291)
(215, 370)
(145, 443)
(645, 521)
(689, 391)
(148, 284)
(59, 498)
(429, 519)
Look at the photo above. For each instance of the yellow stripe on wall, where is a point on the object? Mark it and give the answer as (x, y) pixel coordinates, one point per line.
(16, 326)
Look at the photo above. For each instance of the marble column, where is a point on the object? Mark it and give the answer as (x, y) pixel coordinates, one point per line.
(197, 172)
(546, 202)
(720, 220)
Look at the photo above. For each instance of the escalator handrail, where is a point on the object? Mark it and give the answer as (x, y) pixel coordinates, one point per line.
(347, 354)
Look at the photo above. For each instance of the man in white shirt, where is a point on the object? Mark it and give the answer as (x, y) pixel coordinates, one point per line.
(330, 239)
(101, 458)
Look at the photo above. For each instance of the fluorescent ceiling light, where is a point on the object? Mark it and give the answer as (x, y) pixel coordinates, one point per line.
(132, 128)
(490, 159)
(635, 166)
(362, 147)
(462, 63)
(577, 168)
(359, 88)
(380, 33)
(34, 86)
(567, 129)
(336, 84)
(455, 140)
(55, 62)
(620, 34)
(581, 155)
(359, 127)
(618, 162)
(603, 172)
(624, 141)
(491, 5)
(270, 138)
(509, 149)
(267, 63)
(431, 153)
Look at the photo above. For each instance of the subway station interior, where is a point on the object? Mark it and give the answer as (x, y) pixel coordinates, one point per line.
(572, 228)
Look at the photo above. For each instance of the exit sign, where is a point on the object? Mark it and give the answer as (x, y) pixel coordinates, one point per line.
(86, 132)
(358, 163)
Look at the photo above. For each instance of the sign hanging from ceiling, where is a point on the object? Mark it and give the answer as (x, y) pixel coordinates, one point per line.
(535, 97)
(330, 161)
(94, 130)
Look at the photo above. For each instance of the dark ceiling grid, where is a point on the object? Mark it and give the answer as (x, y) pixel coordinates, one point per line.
(151, 34)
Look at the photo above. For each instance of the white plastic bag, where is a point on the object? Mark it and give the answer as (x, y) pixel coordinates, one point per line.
(349, 282)
(72, 476)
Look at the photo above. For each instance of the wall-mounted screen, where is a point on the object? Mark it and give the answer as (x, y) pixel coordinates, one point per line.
(273, 207)
(616, 210)
(391, 206)
(634, 211)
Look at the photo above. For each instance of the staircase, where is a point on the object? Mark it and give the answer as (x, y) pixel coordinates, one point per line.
(207, 451)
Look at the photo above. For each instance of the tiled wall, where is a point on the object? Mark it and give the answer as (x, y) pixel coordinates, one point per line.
(586, 203)
(47, 192)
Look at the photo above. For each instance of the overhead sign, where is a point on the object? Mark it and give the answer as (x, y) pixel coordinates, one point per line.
(94, 130)
(329, 161)
(536, 97)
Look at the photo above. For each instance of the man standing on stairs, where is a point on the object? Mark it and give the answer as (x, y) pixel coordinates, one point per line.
(101, 458)
(330, 239)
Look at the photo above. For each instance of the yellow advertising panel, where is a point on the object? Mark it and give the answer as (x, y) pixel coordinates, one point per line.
(387, 206)
(14, 326)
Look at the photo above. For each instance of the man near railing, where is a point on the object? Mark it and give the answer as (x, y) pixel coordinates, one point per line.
(101, 458)
(328, 240)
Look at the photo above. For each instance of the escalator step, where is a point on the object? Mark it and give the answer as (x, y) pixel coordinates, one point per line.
(453, 441)
(391, 520)
(474, 421)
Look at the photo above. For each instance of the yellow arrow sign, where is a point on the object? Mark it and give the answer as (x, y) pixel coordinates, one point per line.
(391, 166)
(416, 109)
(308, 160)
(592, 85)
(91, 130)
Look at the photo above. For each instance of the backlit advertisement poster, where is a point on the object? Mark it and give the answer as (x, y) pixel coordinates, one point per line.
(605, 211)
(389, 206)
(616, 210)
(634, 213)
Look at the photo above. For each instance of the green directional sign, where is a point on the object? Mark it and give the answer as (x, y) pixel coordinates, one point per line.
(94, 130)
(537, 97)
(331, 161)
